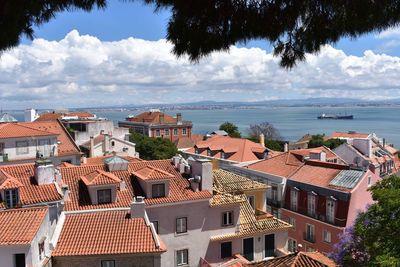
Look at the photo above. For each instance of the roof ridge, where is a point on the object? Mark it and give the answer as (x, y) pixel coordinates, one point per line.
(34, 129)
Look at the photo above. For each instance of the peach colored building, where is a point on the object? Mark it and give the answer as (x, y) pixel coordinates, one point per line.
(155, 123)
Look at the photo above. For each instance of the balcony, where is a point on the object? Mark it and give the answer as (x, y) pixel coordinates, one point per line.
(341, 222)
(307, 236)
(274, 203)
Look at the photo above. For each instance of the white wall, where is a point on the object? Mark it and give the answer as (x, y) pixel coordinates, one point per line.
(94, 128)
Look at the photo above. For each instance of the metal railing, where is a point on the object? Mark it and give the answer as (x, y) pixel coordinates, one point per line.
(341, 222)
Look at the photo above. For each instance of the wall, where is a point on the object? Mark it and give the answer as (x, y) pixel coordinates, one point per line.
(93, 192)
(202, 223)
(171, 128)
(7, 254)
(364, 146)
(119, 146)
(360, 197)
(11, 150)
(95, 127)
(129, 260)
(298, 233)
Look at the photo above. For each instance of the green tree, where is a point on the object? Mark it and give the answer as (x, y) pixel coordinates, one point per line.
(153, 148)
(375, 240)
(200, 27)
(231, 129)
(318, 140)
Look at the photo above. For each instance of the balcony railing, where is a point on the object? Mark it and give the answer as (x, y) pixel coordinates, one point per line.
(309, 237)
(274, 203)
(341, 222)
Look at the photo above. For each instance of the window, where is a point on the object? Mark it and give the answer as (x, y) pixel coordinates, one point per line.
(222, 155)
(108, 263)
(155, 223)
(292, 245)
(184, 131)
(209, 152)
(157, 133)
(326, 235)
(158, 190)
(293, 199)
(311, 199)
(310, 249)
(310, 233)
(330, 210)
(226, 250)
(41, 250)
(166, 132)
(292, 221)
(44, 147)
(22, 147)
(19, 260)
(274, 192)
(251, 201)
(112, 143)
(175, 131)
(181, 225)
(196, 150)
(227, 218)
(182, 257)
(369, 180)
(104, 196)
(1, 148)
(11, 197)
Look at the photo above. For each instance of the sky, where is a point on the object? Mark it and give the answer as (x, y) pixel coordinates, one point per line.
(118, 56)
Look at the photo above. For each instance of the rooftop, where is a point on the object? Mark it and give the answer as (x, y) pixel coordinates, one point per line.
(101, 160)
(17, 129)
(19, 226)
(52, 116)
(229, 182)
(300, 259)
(349, 134)
(100, 177)
(105, 233)
(30, 192)
(5, 117)
(79, 198)
(151, 173)
(153, 117)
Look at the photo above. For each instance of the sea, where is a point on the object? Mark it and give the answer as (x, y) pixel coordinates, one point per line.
(292, 122)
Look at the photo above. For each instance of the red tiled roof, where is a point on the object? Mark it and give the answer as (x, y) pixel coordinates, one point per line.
(100, 177)
(30, 192)
(19, 226)
(186, 142)
(16, 129)
(152, 173)
(105, 233)
(306, 152)
(66, 144)
(100, 160)
(8, 182)
(348, 135)
(282, 165)
(152, 117)
(300, 259)
(52, 116)
(80, 114)
(79, 198)
(235, 149)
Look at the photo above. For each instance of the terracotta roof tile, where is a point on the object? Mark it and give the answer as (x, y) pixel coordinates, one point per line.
(31, 192)
(16, 129)
(300, 259)
(66, 144)
(79, 198)
(151, 173)
(8, 182)
(231, 182)
(152, 117)
(187, 142)
(19, 226)
(52, 116)
(235, 149)
(105, 233)
(100, 177)
(348, 135)
(100, 160)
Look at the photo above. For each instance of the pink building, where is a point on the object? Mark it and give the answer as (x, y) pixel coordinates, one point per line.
(321, 199)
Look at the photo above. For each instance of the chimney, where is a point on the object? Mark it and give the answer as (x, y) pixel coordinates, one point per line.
(138, 207)
(106, 144)
(84, 159)
(162, 118)
(122, 186)
(286, 147)
(179, 118)
(262, 139)
(91, 153)
(384, 142)
(203, 169)
(44, 172)
(65, 192)
(30, 115)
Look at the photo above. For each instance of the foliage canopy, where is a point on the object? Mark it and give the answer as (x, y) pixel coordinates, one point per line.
(319, 140)
(153, 148)
(200, 27)
(231, 129)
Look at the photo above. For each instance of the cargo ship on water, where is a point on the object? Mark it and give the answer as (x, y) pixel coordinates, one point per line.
(324, 116)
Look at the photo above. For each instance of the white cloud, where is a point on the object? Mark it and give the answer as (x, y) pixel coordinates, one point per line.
(389, 33)
(82, 71)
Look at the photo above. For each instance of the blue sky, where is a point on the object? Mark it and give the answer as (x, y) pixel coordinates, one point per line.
(117, 57)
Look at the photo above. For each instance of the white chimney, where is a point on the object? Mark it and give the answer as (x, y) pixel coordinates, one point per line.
(286, 147)
(195, 183)
(204, 169)
(44, 172)
(106, 144)
(91, 153)
(30, 115)
(65, 191)
(138, 207)
(122, 186)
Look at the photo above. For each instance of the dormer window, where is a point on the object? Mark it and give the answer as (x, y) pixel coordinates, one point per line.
(104, 196)
(158, 190)
(222, 155)
(196, 150)
(11, 197)
(209, 152)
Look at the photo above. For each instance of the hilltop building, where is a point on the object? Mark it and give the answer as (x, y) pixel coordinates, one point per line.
(155, 123)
